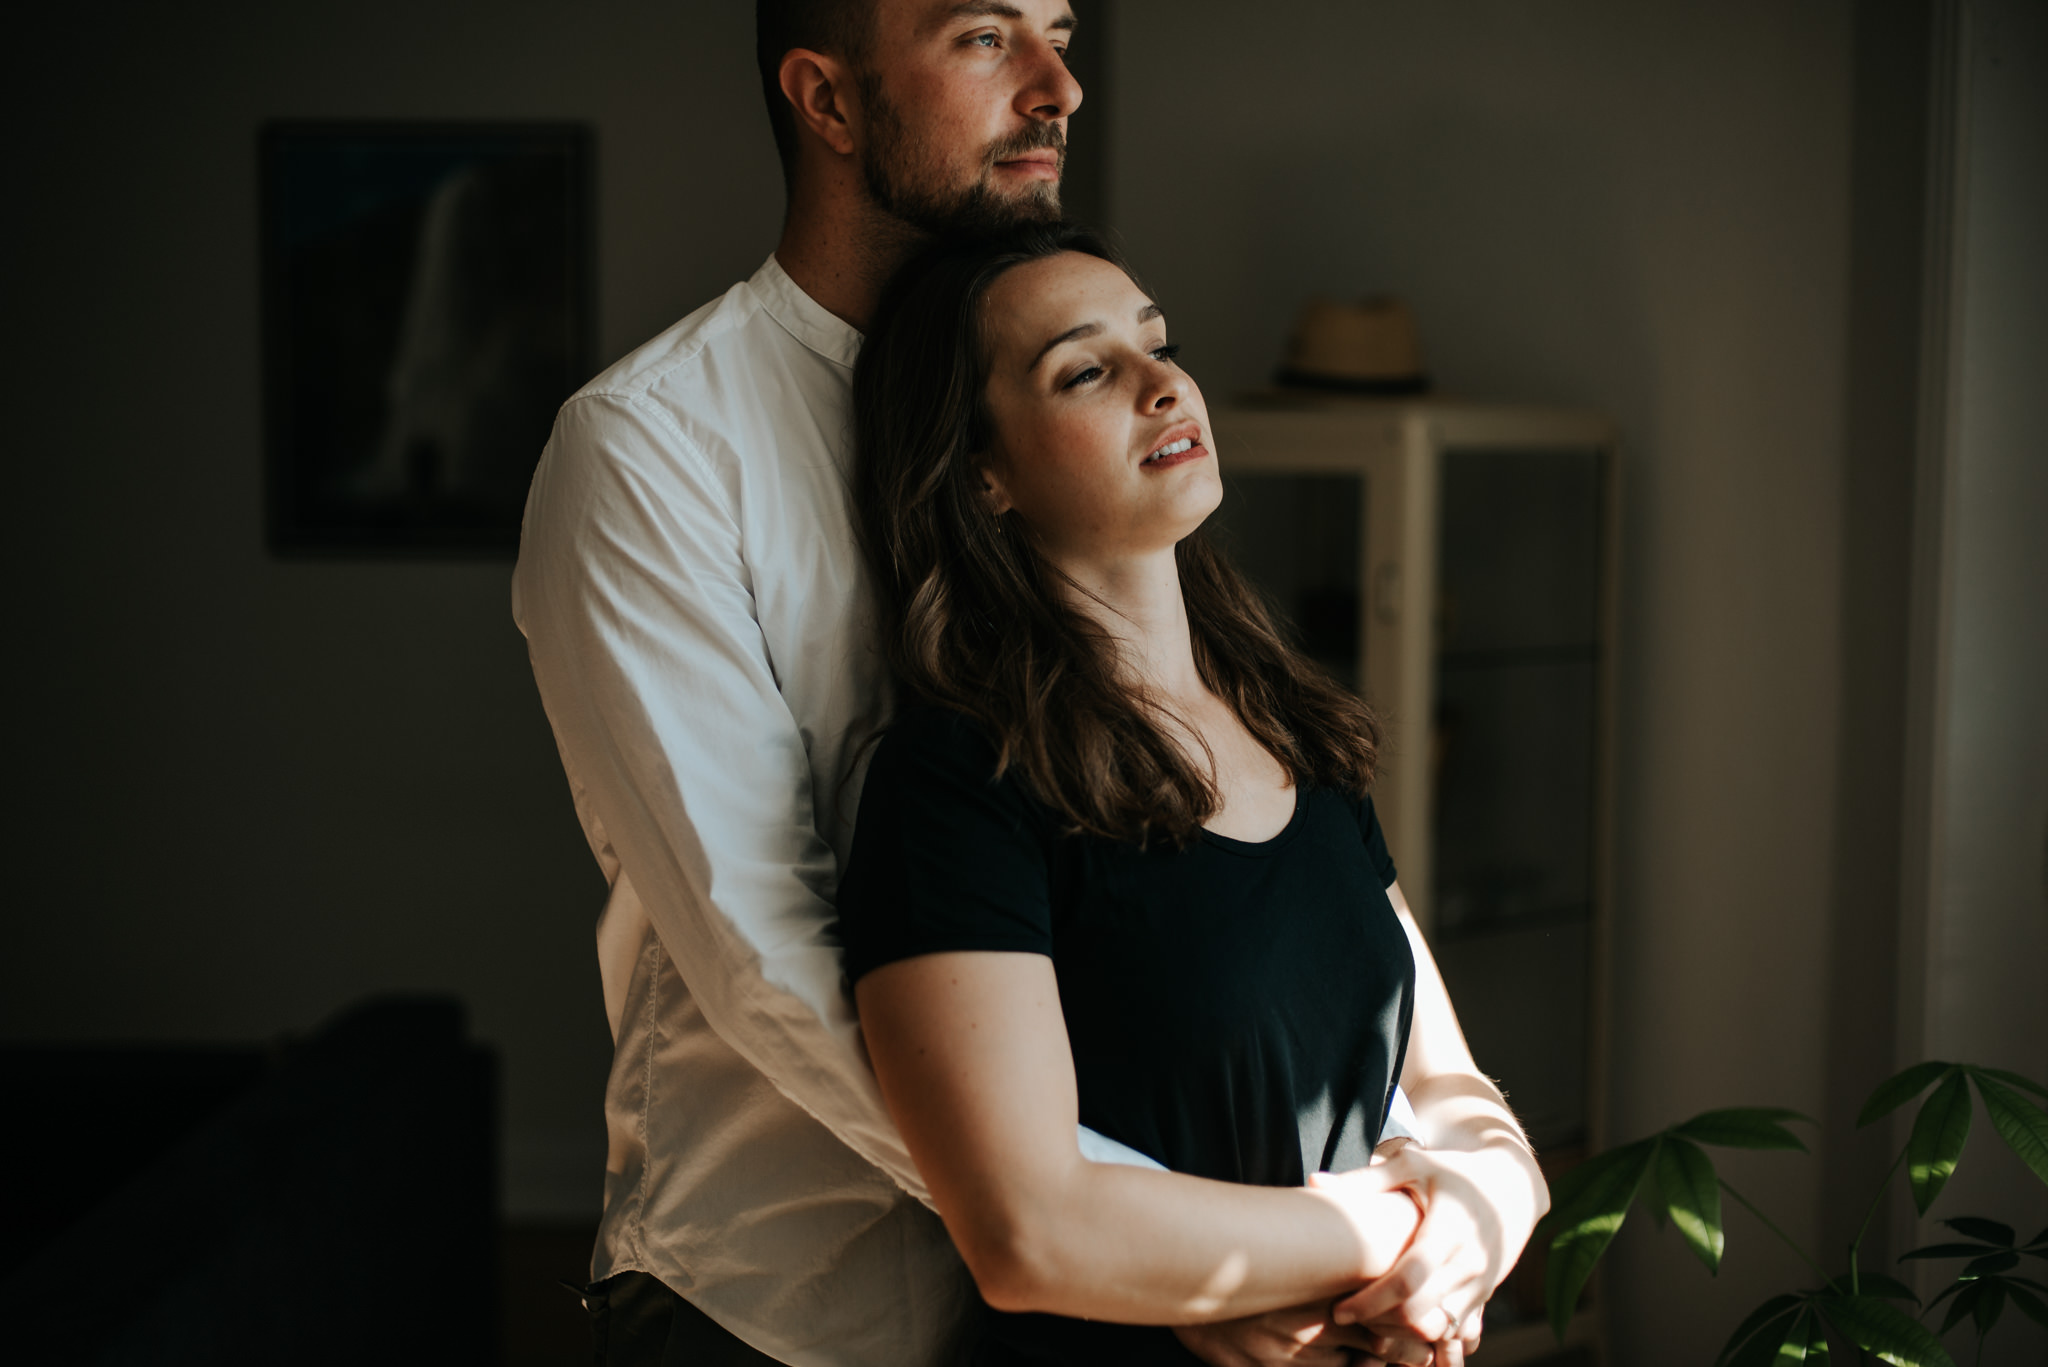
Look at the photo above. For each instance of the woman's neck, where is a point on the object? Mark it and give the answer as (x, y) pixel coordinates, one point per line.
(1138, 602)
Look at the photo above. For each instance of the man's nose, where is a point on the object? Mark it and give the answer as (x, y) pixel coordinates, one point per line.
(1051, 92)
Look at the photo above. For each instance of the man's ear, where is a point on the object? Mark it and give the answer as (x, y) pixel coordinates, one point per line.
(820, 89)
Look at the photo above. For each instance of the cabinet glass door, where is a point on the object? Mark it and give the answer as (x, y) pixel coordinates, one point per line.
(1515, 751)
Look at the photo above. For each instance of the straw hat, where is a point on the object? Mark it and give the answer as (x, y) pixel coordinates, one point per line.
(1368, 347)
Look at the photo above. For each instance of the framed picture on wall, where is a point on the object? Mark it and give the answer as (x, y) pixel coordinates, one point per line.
(426, 309)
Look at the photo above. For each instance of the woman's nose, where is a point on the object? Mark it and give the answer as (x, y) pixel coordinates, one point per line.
(1169, 386)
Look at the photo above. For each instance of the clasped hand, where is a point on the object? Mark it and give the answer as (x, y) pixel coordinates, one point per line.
(1425, 1309)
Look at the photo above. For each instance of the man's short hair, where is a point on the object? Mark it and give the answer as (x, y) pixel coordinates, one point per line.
(838, 28)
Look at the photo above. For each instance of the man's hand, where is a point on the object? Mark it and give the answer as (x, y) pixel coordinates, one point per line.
(1301, 1336)
(1460, 1253)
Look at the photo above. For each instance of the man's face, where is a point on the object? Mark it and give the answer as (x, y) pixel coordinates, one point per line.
(965, 105)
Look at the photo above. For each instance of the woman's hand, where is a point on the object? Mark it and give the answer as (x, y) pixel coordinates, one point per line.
(1471, 1233)
(1306, 1336)
(1299, 1336)
(1381, 1205)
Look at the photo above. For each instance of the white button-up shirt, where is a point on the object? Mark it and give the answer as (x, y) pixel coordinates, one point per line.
(692, 598)
(695, 608)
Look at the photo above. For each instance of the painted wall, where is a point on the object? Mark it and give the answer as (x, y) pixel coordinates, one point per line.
(247, 792)
(1976, 930)
(1644, 209)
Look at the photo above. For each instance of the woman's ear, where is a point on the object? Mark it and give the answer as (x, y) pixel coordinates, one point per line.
(993, 494)
(819, 89)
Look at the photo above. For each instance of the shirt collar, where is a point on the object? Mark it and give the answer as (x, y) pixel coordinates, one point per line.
(805, 318)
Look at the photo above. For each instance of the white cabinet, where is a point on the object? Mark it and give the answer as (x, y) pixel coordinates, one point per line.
(1455, 561)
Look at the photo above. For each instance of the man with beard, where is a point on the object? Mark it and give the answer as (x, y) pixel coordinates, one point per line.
(690, 590)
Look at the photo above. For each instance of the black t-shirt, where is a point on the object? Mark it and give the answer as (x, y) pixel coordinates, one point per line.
(1237, 1010)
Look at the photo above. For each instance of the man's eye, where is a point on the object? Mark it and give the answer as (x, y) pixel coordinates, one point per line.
(986, 39)
(1082, 377)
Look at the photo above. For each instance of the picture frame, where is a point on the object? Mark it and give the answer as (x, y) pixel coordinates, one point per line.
(427, 307)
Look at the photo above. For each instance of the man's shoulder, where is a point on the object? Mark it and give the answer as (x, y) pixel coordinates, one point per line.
(667, 366)
(739, 373)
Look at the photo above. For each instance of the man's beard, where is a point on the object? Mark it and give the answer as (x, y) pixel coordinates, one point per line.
(902, 171)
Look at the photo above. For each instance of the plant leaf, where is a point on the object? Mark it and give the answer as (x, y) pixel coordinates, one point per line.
(1937, 1141)
(2039, 1243)
(1879, 1327)
(1590, 1225)
(1816, 1340)
(2014, 1080)
(1990, 1231)
(1804, 1341)
(2031, 1305)
(1963, 1305)
(1899, 1089)
(1692, 1193)
(1791, 1350)
(1568, 1192)
(1891, 1288)
(1772, 1309)
(1570, 1186)
(1990, 1305)
(1992, 1264)
(2022, 1124)
(1566, 1188)
(1948, 1251)
(1744, 1127)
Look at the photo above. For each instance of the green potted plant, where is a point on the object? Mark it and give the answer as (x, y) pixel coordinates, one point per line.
(1671, 1173)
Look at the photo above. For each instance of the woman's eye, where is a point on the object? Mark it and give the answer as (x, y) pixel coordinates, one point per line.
(1167, 352)
(1082, 377)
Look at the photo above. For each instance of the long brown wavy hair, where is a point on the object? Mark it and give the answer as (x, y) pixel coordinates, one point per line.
(975, 619)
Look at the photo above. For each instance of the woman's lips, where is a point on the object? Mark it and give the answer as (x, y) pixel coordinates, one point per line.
(1195, 452)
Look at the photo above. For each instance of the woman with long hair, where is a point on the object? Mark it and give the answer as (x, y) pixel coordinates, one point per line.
(1116, 864)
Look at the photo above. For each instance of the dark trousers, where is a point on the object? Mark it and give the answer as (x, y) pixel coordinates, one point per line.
(636, 1321)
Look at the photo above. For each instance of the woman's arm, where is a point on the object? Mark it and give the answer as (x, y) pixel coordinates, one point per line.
(1477, 1178)
(972, 1053)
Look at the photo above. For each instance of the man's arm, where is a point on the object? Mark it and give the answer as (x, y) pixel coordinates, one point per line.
(639, 613)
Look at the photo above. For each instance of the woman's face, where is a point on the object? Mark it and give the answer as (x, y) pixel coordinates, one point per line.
(1098, 440)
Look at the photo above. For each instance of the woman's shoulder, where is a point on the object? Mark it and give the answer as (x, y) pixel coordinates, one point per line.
(1375, 838)
(938, 750)
(921, 735)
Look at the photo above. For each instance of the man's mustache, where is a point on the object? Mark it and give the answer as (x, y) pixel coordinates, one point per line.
(1030, 139)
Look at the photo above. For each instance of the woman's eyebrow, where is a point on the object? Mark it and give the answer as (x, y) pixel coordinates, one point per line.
(1070, 335)
(1145, 315)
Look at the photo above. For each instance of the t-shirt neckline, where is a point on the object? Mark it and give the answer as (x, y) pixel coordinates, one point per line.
(1259, 849)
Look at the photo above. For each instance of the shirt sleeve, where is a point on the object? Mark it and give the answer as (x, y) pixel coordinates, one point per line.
(1375, 842)
(945, 856)
(639, 615)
